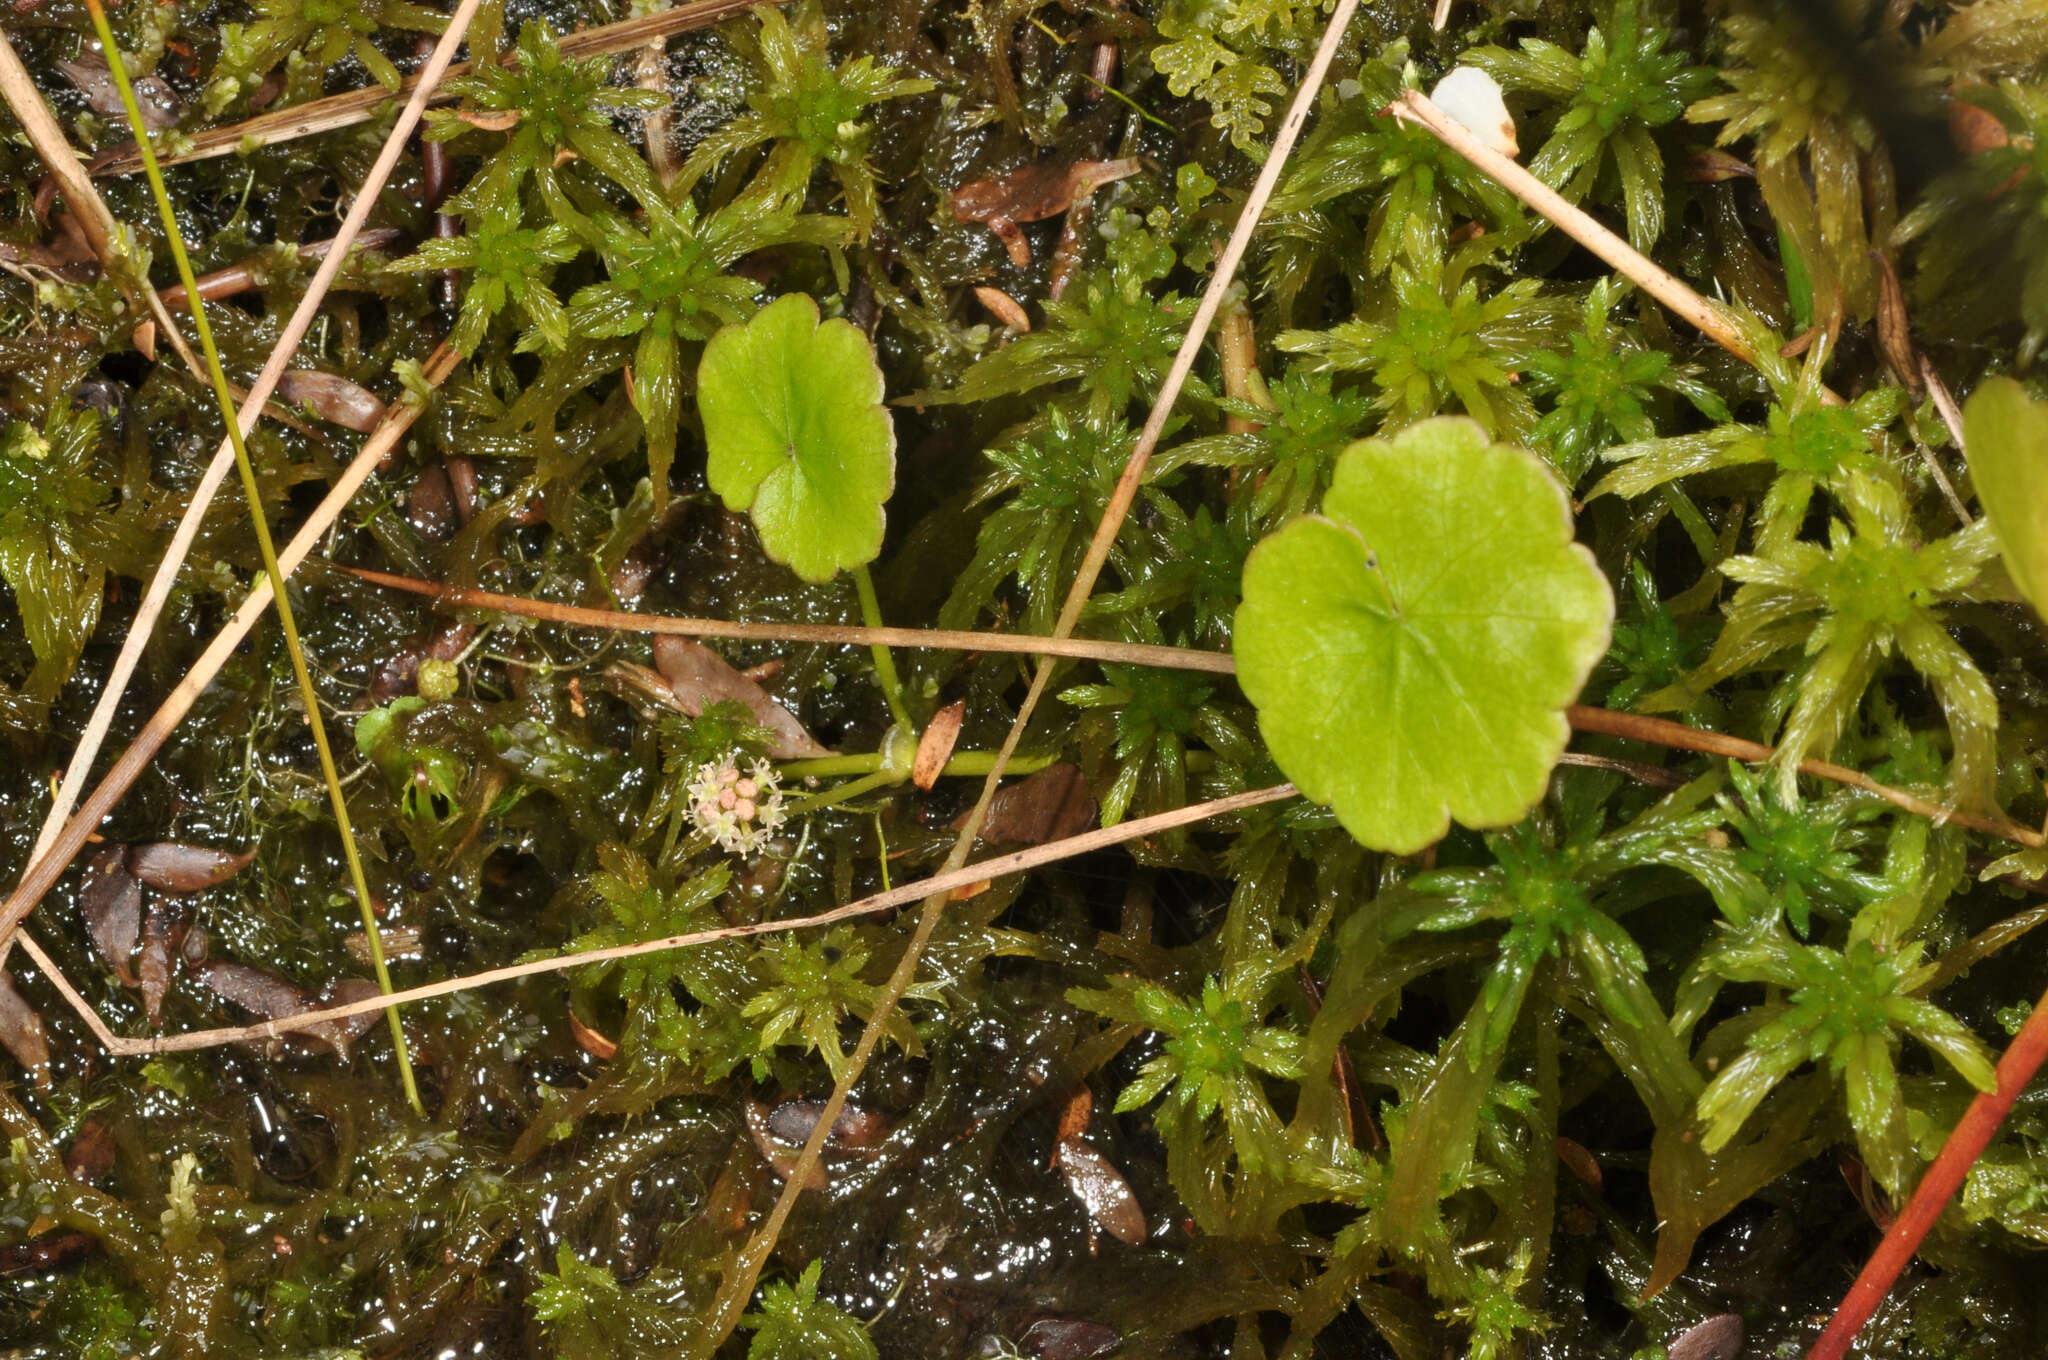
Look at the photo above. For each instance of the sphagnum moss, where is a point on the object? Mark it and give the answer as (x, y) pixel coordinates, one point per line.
(1336, 1081)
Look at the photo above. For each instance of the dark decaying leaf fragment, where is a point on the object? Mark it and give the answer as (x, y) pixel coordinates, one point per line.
(700, 677)
(1717, 1338)
(21, 1031)
(39, 1254)
(155, 100)
(855, 1129)
(430, 505)
(333, 398)
(1102, 1190)
(163, 931)
(91, 1154)
(780, 1133)
(1049, 806)
(111, 901)
(1894, 328)
(1068, 1338)
(780, 1156)
(269, 997)
(178, 868)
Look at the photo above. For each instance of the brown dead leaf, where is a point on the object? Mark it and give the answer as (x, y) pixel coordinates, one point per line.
(91, 1154)
(1714, 166)
(1049, 806)
(42, 1254)
(591, 1041)
(155, 100)
(111, 901)
(267, 996)
(160, 940)
(855, 1130)
(1102, 1190)
(464, 484)
(1579, 1161)
(333, 398)
(1004, 308)
(22, 1033)
(1720, 1337)
(339, 1034)
(178, 868)
(1894, 328)
(430, 505)
(1079, 1110)
(1974, 129)
(699, 677)
(144, 337)
(258, 991)
(935, 746)
(491, 120)
(781, 1158)
(1068, 1338)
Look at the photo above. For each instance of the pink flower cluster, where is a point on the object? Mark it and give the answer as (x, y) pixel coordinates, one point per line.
(740, 811)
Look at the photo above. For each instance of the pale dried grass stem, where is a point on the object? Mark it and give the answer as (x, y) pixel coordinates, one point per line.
(614, 620)
(301, 320)
(360, 106)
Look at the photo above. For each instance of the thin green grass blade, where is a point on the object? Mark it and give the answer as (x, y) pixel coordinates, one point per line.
(285, 618)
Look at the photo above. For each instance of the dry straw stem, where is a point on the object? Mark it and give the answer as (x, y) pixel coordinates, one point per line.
(26, 103)
(360, 106)
(738, 1286)
(1710, 319)
(45, 871)
(613, 620)
(295, 329)
(941, 885)
(1663, 732)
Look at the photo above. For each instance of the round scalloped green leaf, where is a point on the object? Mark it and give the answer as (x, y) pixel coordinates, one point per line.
(1412, 649)
(2007, 434)
(797, 435)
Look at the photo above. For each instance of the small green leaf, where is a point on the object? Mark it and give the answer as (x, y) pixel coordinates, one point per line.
(1410, 650)
(797, 435)
(2007, 434)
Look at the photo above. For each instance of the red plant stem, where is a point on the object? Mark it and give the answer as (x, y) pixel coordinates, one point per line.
(1966, 1143)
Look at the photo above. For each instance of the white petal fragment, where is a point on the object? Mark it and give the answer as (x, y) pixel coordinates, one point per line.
(1473, 97)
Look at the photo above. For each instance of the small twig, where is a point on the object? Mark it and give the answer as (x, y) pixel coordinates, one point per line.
(79, 1005)
(1341, 1073)
(360, 106)
(1945, 1176)
(1663, 732)
(1711, 319)
(1944, 402)
(44, 134)
(940, 886)
(738, 1285)
(940, 639)
(1948, 488)
(1653, 775)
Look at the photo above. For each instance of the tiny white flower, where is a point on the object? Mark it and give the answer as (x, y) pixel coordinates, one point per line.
(739, 812)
